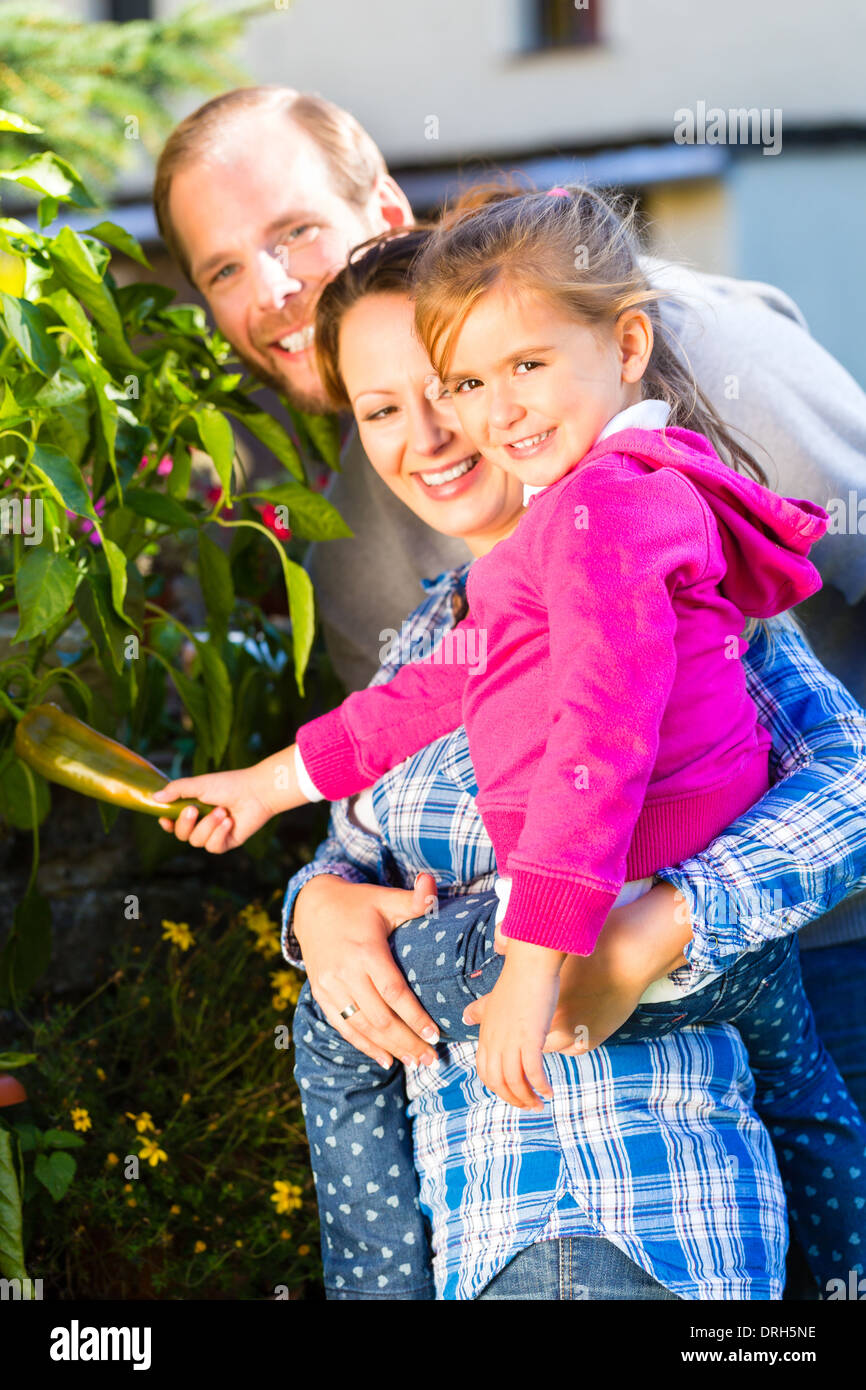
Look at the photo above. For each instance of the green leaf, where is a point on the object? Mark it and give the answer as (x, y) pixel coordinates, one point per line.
(9, 120)
(28, 944)
(10, 1060)
(120, 239)
(61, 1139)
(217, 440)
(45, 586)
(62, 388)
(74, 263)
(270, 433)
(47, 210)
(158, 507)
(302, 605)
(311, 515)
(55, 1171)
(195, 701)
(63, 478)
(11, 1242)
(48, 173)
(94, 605)
(217, 586)
(26, 326)
(116, 561)
(70, 312)
(324, 431)
(219, 697)
(15, 792)
(107, 412)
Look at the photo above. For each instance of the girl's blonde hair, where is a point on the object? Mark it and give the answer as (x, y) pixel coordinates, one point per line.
(578, 249)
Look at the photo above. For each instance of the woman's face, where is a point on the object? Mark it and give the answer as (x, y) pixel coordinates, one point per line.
(409, 428)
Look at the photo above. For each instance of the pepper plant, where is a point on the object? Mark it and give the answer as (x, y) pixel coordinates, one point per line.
(106, 392)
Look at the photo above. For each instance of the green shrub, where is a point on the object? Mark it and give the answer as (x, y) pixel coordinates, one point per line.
(177, 1060)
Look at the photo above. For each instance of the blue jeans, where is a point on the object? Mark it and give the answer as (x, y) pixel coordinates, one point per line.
(572, 1268)
(835, 981)
(374, 1242)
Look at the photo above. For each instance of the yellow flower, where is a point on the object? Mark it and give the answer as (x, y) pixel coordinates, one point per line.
(185, 1098)
(303, 1249)
(284, 1235)
(143, 1122)
(175, 1209)
(288, 987)
(178, 933)
(239, 1244)
(151, 1152)
(286, 1196)
(100, 1073)
(112, 1160)
(199, 1247)
(80, 1118)
(131, 1202)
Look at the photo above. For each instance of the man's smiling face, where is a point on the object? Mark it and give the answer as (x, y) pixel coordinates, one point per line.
(264, 232)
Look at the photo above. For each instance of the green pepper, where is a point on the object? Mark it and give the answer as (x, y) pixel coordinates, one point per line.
(65, 750)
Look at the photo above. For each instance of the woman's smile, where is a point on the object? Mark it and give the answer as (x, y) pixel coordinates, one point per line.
(447, 481)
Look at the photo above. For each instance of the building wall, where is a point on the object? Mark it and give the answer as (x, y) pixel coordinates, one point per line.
(800, 221)
(395, 63)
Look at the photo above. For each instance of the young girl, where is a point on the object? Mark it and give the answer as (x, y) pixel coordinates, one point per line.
(609, 723)
(610, 727)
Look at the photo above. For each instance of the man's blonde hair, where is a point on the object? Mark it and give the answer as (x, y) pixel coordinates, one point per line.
(353, 158)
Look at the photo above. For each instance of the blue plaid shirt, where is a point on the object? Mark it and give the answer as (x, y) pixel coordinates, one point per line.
(629, 1146)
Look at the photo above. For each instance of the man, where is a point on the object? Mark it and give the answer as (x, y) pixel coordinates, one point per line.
(260, 196)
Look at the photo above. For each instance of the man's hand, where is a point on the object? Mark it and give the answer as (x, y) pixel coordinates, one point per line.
(343, 930)
(515, 1017)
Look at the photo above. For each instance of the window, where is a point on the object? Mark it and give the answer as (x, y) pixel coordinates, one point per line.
(565, 23)
(122, 10)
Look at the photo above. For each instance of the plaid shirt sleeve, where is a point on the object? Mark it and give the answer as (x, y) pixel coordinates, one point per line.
(349, 851)
(802, 848)
(332, 857)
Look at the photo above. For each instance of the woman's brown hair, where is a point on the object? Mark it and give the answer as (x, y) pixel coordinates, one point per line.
(382, 265)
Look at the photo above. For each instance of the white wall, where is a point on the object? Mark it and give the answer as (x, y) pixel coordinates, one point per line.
(396, 62)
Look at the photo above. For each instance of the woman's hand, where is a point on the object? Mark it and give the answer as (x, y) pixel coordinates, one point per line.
(343, 930)
(515, 1017)
(244, 801)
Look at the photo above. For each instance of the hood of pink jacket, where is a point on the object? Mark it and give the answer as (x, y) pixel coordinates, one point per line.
(765, 538)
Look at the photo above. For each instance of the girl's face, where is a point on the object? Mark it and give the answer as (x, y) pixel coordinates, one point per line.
(410, 430)
(533, 388)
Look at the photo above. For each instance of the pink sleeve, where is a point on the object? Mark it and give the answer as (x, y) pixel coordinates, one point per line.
(607, 561)
(375, 729)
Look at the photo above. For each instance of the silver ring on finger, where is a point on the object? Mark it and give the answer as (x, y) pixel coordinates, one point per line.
(349, 1010)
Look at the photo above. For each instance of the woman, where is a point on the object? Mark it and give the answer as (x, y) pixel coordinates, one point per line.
(616, 1200)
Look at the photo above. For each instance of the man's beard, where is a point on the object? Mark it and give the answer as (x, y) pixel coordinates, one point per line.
(304, 401)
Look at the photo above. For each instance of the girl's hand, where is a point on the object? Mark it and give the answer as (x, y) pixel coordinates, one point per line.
(515, 1018)
(241, 802)
(638, 944)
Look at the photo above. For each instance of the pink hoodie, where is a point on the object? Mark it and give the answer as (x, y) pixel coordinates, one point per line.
(611, 731)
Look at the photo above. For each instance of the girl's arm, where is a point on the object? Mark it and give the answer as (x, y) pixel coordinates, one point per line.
(802, 848)
(377, 728)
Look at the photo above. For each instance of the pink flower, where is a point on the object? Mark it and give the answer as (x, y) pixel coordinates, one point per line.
(164, 466)
(273, 523)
